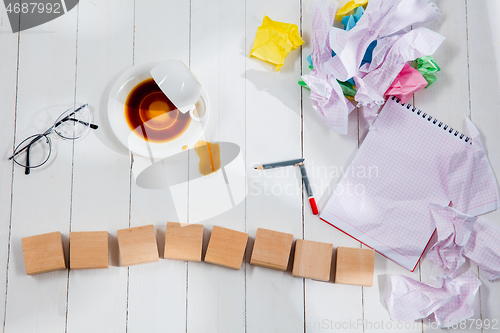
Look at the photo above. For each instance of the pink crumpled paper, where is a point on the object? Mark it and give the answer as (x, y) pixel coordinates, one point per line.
(449, 299)
(460, 236)
(408, 81)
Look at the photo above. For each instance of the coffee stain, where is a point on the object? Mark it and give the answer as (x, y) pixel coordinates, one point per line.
(184, 147)
(209, 154)
(152, 116)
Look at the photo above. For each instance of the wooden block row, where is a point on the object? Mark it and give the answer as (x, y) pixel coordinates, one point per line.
(183, 241)
(88, 249)
(312, 260)
(44, 253)
(137, 245)
(226, 247)
(354, 266)
(271, 249)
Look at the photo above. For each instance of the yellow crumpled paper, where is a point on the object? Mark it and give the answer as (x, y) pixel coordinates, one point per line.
(274, 40)
(351, 5)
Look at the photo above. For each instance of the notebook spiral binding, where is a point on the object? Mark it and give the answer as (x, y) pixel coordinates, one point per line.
(434, 121)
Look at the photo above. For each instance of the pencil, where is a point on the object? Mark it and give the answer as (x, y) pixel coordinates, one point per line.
(279, 164)
(299, 162)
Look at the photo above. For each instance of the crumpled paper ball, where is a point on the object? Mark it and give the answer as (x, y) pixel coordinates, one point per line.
(408, 81)
(274, 40)
(349, 6)
(427, 66)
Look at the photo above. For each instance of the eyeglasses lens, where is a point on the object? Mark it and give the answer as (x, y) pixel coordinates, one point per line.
(33, 152)
(73, 123)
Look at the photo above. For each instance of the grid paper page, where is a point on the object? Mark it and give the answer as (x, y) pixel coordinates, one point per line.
(407, 161)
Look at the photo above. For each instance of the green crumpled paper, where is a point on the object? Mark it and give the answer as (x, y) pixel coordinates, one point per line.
(274, 40)
(303, 84)
(427, 66)
(348, 89)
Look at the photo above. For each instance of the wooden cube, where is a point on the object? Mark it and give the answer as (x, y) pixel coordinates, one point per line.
(271, 249)
(355, 266)
(88, 249)
(183, 241)
(312, 260)
(226, 247)
(137, 245)
(43, 253)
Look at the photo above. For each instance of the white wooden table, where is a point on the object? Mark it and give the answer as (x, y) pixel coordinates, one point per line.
(89, 186)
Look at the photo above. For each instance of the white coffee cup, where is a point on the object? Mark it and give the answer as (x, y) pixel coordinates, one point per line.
(118, 95)
(180, 86)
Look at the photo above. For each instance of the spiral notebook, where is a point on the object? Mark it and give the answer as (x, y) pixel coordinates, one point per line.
(407, 161)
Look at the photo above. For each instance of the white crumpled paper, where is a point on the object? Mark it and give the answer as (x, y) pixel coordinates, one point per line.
(382, 18)
(326, 94)
(388, 58)
(449, 299)
(461, 235)
(387, 18)
(453, 231)
(329, 101)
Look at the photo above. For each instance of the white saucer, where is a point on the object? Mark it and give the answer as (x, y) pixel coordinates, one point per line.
(116, 115)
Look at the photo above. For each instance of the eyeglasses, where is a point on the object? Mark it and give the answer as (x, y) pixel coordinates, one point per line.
(35, 150)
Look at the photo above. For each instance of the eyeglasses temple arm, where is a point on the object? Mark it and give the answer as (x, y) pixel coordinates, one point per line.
(27, 146)
(27, 169)
(93, 126)
(69, 115)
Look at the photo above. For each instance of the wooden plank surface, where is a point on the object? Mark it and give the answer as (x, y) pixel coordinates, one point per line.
(101, 175)
(327, 157)
(274, 300)
(448, 101)
(166, 280)
(484, 73)
(90, 186)
(42, 200)
(8, 98)
(216, 295)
